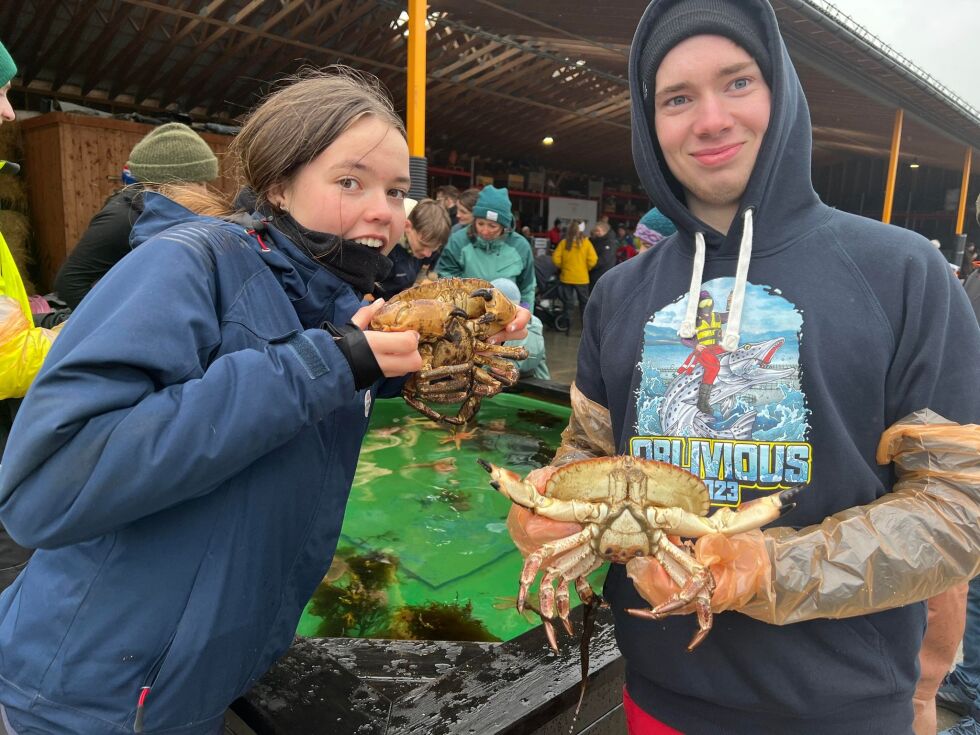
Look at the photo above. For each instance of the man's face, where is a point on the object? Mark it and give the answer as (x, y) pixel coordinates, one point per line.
(711, 112)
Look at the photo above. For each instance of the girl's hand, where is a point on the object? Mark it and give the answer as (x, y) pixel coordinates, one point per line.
(517, 329)
(397, 353)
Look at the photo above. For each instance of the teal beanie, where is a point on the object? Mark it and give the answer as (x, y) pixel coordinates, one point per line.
(658, 222)
(7, 66)
(493, 204)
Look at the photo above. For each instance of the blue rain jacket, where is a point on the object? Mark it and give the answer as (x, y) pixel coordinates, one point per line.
(182, 463)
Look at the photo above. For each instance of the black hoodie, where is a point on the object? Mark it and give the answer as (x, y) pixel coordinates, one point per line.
(848, 326)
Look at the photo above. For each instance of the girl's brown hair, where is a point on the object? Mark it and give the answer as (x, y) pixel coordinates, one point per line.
(574, 236)
(290, 128)
(431, 221)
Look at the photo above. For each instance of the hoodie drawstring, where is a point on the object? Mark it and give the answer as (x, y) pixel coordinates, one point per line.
(730, 340)
(687, 326)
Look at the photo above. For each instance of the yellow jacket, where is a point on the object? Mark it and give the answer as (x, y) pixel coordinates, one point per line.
(575, 262)
(23, 346)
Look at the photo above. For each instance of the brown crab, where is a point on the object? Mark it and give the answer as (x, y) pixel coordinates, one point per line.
(629, 507)
(454, 317)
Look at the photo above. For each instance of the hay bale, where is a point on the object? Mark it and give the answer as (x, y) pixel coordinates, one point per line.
(11, 142)
(13, 192)
(16, 229)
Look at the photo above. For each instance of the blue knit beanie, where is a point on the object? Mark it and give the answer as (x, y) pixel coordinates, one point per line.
(493, 204)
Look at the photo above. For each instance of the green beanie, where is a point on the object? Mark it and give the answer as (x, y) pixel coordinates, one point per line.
(493, 204)
(172, 153)
(7, 66)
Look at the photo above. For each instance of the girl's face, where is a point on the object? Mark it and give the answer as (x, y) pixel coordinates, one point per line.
(463, 215)
(356, 188)
(488, 230)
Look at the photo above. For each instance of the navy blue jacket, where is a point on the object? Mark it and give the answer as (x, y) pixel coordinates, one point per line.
(181, 463)
(849, 326)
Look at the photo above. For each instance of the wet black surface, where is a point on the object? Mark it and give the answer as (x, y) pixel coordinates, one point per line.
(373, 687)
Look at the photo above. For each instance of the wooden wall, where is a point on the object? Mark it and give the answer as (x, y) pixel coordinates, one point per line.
(71, 164)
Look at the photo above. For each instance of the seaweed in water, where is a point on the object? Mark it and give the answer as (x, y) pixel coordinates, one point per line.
(360, 607)
(438, 621)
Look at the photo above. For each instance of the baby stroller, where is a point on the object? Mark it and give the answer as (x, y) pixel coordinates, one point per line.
(548, 306)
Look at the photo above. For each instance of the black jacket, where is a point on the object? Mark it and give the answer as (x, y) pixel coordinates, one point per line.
(102, 245)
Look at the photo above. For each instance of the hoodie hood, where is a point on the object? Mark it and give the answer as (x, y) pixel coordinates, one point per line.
(779, 190)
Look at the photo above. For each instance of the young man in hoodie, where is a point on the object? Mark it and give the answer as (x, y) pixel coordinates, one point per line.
(828, 638)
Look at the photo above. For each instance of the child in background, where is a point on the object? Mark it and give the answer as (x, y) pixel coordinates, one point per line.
(536, 365)
(426, 231)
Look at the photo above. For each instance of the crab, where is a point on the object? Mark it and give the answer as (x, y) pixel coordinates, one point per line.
(454, 317)
(629, 507)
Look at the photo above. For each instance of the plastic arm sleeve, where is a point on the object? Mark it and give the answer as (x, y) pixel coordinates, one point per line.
(909, 545)
(588, 434)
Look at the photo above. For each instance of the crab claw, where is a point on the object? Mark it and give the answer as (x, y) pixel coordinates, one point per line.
(482, 293)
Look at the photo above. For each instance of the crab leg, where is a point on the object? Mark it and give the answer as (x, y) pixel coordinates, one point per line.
(535, 558)
(523, 493)
(747, 517)
(546, 598)
(696, 583)
(571, 566)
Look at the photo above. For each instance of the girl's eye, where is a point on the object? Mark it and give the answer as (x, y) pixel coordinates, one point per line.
(348, 184)
(397, 193)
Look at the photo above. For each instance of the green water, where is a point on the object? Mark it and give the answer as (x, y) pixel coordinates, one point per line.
(424, 550)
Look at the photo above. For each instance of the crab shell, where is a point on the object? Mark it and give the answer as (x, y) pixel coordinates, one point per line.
(493, 310)
(628, 484)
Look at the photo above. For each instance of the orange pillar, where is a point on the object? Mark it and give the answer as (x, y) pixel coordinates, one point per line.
(416, 77)
(964, 187)
(886, 214)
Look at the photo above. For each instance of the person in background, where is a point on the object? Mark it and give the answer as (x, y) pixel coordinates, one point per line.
(448, 197)
(878, 399)
(464, 208)
(426, 231)
(575, 257)
(536, 364)
(489, 248)
(168, 155)
(528, 235)
(604, 243)
(23, 346)
(652, 229)
(555, 234)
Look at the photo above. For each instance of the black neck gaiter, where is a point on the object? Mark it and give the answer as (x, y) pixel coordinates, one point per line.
(359, 265)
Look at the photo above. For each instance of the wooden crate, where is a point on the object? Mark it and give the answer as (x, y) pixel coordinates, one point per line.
(72, 164)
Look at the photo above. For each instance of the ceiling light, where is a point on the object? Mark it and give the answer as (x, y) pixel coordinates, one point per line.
(547, 140)
(914, 164)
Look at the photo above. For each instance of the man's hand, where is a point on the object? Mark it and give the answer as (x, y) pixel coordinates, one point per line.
(530, 531)
(739, 564)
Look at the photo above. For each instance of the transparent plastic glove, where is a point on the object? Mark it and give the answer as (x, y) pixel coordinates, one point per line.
(529, 531)
(739, 564)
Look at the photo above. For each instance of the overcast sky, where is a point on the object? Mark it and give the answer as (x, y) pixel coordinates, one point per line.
(942, 37)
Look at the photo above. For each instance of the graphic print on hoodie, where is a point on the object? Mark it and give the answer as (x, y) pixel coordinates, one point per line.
(753, 442)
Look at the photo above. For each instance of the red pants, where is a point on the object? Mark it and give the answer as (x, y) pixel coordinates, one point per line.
(639, 722)
(706, 358)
